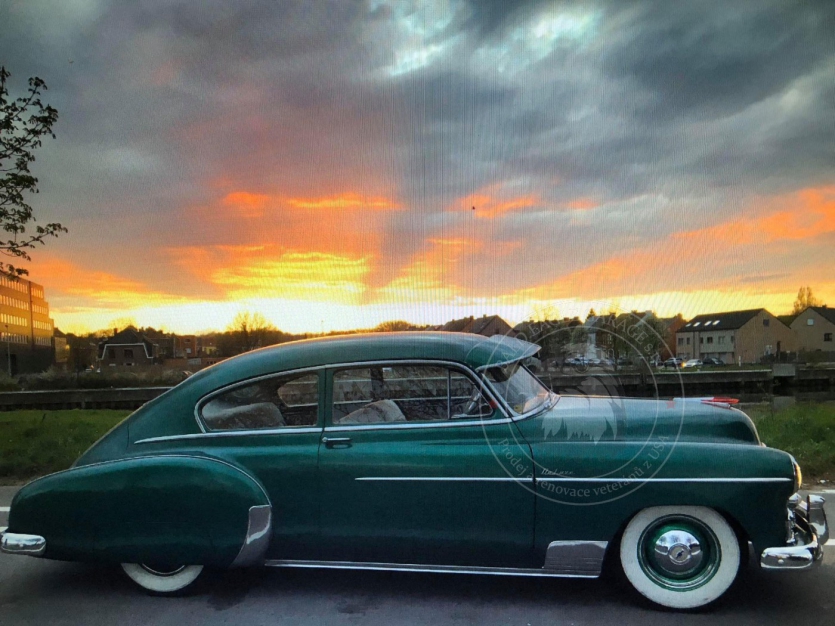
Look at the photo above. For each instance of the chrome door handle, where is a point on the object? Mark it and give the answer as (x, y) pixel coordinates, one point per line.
(342, 442)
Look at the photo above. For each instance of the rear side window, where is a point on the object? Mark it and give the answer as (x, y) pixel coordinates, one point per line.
(405, 393)
(280, 402)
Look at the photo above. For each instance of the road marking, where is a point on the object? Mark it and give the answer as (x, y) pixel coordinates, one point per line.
(4, 509)
(831, 542)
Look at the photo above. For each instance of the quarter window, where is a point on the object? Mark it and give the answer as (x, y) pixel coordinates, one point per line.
(280, 402)
(404, 393)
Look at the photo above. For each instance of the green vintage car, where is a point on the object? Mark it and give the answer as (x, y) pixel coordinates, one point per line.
(431, 452)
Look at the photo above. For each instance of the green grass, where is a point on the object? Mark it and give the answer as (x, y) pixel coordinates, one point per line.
(805, 430)
(34, 443)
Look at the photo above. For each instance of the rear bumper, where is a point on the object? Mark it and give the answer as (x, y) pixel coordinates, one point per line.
(15, 543)
(807, 532)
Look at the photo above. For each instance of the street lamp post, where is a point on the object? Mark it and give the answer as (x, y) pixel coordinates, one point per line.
(8, 351)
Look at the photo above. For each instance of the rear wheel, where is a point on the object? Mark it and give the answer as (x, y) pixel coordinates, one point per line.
(160, 579)
(680, 557)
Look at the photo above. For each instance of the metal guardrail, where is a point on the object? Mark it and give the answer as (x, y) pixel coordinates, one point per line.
(129, 398)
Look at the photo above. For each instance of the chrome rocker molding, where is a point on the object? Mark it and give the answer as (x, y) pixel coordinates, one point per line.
(808, 531)
(564, 559)
(257, 536)
(29, 545)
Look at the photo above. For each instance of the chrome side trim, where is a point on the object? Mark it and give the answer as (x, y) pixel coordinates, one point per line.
(505, 479)
(29, 545)
(662, 480)
(258, 534)
(401, 425)
(575, 558)
(436, 569)
(287, 430)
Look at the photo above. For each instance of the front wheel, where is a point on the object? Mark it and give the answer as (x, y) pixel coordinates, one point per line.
(162, 580)
(680, 557)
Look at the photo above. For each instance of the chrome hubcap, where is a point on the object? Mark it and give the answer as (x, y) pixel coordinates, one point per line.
(677, 551)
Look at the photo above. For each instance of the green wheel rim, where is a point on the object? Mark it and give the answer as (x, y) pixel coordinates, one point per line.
(679, 553)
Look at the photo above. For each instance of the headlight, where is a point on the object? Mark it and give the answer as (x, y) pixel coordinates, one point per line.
(798, 475)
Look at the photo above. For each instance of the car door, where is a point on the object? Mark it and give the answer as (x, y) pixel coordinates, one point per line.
(418, 465)
(272, 427)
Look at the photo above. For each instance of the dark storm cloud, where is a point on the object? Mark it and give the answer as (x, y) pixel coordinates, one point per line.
(717, 58)
(649, 109)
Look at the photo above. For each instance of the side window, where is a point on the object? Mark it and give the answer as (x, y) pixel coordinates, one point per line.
(280, 402)
(405, 393)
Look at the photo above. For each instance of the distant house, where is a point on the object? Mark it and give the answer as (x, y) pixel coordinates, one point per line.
(128, 348)
(673, 325)
(815, 329)
(487, 325)
(734, 336)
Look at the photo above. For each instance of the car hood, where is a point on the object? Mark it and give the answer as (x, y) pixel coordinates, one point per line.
(593, 418)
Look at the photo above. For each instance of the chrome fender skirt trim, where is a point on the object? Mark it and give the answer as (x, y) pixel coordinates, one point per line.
(257, 536)
(30, 545)
(436, 569)
(575, 558)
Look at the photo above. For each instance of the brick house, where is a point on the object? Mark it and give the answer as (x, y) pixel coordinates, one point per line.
(734, 336)
(815, 329)
(128, 348)
(487, 325)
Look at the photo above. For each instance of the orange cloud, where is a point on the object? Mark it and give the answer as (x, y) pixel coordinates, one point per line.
(343, 201)
(247, 204)
(268, 271)
(92, 288)
(804, 214)
(488, 206)
(582, 204)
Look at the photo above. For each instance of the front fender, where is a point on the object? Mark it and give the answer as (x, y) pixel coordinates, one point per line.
(153, 509)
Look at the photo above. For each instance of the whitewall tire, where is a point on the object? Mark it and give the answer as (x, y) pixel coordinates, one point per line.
(162, 580)
(680, 557)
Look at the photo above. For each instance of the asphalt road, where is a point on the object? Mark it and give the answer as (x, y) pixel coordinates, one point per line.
(34, 591)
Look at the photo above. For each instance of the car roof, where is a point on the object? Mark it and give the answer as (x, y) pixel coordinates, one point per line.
(475, 351)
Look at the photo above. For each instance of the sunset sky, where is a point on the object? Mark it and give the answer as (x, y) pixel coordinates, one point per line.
(319, 163)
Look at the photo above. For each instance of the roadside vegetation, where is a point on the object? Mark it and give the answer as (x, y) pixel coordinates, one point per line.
(805, 430)
(56, 378)
(34, 443)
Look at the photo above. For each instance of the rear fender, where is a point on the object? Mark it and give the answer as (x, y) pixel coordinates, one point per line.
(169, 509)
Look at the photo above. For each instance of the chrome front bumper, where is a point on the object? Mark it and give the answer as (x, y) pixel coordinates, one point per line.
(14, 543)
(807, 532)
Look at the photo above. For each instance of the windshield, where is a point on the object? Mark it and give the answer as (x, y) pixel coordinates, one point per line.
(519, 388)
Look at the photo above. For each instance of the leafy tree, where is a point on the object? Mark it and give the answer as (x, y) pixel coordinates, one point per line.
(250, 330)
(804, 300)
(544, 313)
(392, 326)
(24, 121)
